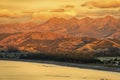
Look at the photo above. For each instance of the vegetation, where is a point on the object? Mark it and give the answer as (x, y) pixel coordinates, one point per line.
(13, 52)
(60, 57)
(109, 52)
(75, 57)
(110, 61)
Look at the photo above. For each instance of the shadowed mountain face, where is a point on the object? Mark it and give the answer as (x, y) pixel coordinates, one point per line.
(93, 27)
(100, 36)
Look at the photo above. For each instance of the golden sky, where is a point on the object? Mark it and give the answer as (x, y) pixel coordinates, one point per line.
(28, 10)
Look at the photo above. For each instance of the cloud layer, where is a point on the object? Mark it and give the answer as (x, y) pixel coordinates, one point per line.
(10, 14)
(102, 4)
(21, 10)
(58, 10)
(69, 6)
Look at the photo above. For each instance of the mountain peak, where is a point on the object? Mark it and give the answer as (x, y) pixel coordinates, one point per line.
(109, 17)
(87, 18)
(73, 19)
(55, 19)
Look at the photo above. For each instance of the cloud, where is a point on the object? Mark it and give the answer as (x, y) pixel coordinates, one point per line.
(58, 10)
(45, 15)
(10, 14)
(14, 20)
(62, 12)
(99, 13)
(28, 12)
(35, 15)
(69, 6)
(102, 4)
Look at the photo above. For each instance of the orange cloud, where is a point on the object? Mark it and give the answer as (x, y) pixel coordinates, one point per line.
(102, 4)
(69, 6)
(10, 14)
(58, 10)
(45, 15)
(41, 16)
(99, 13)
(28, 12)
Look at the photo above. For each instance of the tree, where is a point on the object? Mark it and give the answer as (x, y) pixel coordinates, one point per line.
(12, 48)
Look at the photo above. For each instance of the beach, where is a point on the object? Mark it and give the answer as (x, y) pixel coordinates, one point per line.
(16, 70)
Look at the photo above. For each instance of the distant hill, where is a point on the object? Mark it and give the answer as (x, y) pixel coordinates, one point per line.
(17, 27)
(104, 27)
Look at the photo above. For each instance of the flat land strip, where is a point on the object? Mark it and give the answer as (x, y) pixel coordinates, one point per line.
(14, 70)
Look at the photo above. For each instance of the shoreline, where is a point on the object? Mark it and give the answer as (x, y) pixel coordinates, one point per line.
(67, 64)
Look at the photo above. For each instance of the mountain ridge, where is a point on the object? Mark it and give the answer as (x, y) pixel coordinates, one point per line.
(49, 42)
(103, 27)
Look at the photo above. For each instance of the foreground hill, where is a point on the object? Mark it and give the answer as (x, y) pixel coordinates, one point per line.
(103, 27)
(50, 42)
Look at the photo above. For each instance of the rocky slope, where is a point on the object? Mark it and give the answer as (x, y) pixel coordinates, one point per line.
(95, 36)
(53, 43)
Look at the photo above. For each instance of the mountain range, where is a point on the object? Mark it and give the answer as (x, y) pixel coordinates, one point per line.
(98, 36)
(105, 27)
